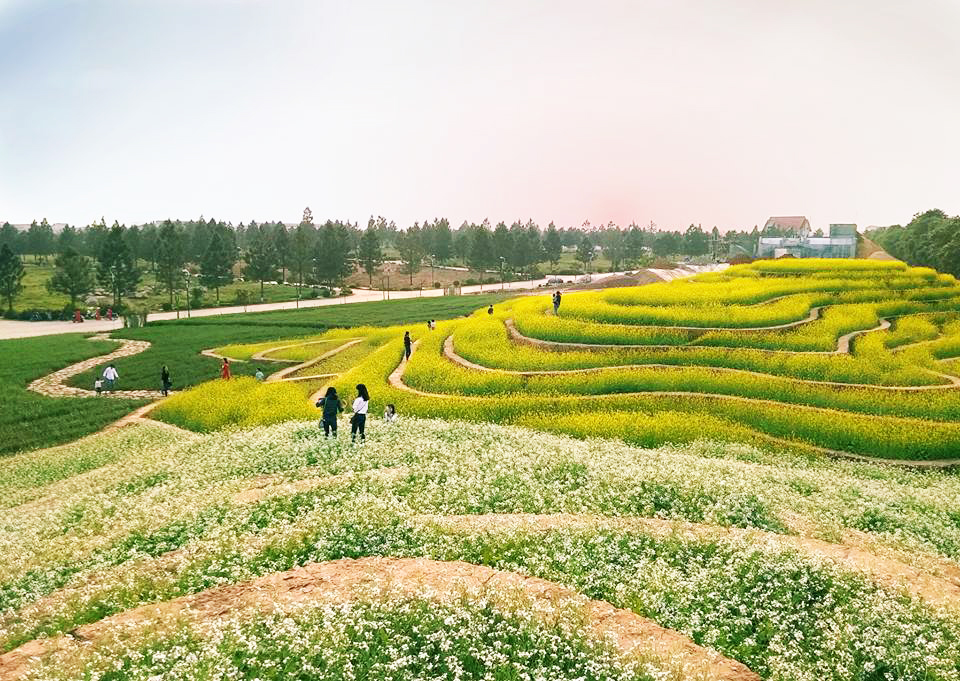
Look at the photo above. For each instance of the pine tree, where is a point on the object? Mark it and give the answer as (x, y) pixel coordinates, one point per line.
(442, 242)
(73, 276)
(411, 249)
(332, 258)
(281, 242)
(170, 257)
(552, 246)
(261, 258)
(370, 254)
(11, 275)
(302, 254)
(481, 251)
(216, 266)
(585, 251)
(117, 265)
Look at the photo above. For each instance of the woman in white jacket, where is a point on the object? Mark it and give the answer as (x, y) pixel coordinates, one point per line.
(358, 421)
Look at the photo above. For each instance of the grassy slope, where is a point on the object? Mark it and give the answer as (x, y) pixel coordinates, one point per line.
(29, 420)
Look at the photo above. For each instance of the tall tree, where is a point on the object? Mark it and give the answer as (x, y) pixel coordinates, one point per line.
(40, 240)
(170, 257)
(552, 246)
(281, 242)
(73, 276)
(481, 251)
(302, 253)
(11, 275)
(68, 238)
(503, 245)
(261, 258)
(615, 247)
(411, 249)
(585, 251)
(633, 244)
(332, 260)
(216, 266)
(442, 242)
(369, 253)
(696, 241)
(116, 265)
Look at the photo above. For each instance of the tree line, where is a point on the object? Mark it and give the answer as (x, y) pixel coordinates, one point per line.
(176, 251)
(930, 239)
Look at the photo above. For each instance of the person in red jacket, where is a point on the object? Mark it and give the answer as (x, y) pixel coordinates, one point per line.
(225, 369)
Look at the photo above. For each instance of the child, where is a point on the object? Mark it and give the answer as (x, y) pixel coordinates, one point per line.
(390, 414)
(98, 385)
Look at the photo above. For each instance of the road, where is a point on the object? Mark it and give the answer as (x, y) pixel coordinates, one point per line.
(17, 329)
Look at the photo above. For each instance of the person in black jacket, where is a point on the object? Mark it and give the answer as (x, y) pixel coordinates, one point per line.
(407, 345)
(331, 405)
(165, 380)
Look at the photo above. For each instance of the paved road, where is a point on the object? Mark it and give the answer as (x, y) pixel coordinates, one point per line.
(14, 329)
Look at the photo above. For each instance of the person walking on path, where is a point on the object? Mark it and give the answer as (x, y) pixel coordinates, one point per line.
(225, 369)
(556, 301)
(110, 375)
(165, 380)
(407, 345)
(331, 405)
(358, 421)
(98, 385)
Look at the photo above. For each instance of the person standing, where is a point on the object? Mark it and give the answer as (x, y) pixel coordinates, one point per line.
(358, 421)
(331, 405)
(490, 310)
(225, 369)
(259, 375)
(407, 345)
(109, 314)
(556, 301)
(110, 375)
(165, 380)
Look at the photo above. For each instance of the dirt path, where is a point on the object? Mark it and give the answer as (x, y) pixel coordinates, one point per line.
(346, 580)
(934, 590)
(843, 343)
(53, 385)
(450, 353)
(289, 371)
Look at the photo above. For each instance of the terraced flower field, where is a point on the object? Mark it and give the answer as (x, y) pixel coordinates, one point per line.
(701, 509)
(825, 357)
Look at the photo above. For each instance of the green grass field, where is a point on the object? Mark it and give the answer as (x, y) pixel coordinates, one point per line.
(176, 344)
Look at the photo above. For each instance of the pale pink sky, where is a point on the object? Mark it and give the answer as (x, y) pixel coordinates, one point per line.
(676, 111)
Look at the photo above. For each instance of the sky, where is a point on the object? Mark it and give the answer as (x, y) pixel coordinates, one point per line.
(715, 112)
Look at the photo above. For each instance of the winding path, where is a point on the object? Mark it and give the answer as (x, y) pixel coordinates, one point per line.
(53, 385)
(347, 580)
(843, 342)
